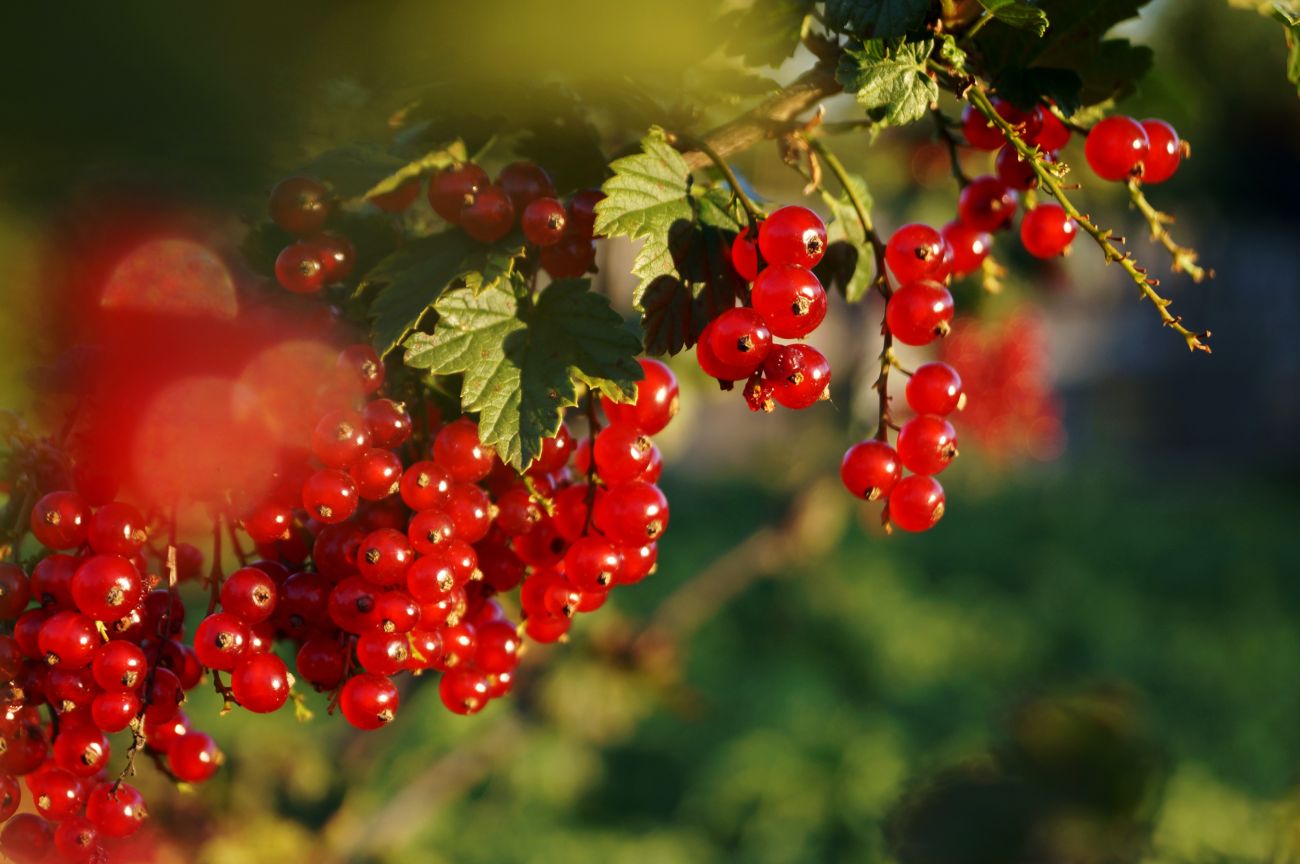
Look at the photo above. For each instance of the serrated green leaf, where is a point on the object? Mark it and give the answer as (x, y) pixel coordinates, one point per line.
(950, 52)
(849, 260)
(890, 79)
(767, 32)
(876, 19)
(498, 263)
(435, 160)
(1290, 22)
(521, 363)
(647, 195)
(413, 278)
(1018, 13)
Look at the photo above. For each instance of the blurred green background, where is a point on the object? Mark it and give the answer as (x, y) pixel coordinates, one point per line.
(1093, 659)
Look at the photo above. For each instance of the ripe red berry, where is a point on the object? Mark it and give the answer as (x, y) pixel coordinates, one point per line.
(369, 701)
(384, 556)
(119, 665)
(1116, 147)
(55, 792)
(115, 809)
(638, 562)
(656, 402)
(1047, 231)
(591, 564)
(300, 205)
(711, 363)
(986, 204)
(1164, 153)
(487, 214)
(969, 247)
(113, 712)
(463, 691)
(1014, 170)
(10, 796)
(68, 639)
(321, 662)
(1052, 136)
(425, 486)
(117, 529)
(544, 221)
(377, 473)
(458, 451)
(107, 587)
(77, 839)
(260, 683)
(934, 388)
(870, 469)
(194, 757)
(524, 183)
(622, 453)
(300, 268)
(916, 252)
(329, 496)
(80, 748)
(220, 641)
(744, 255)
(471, 512)
(927, 444)
(268, 523)
(398, 199)
(916, 503)
(428, 530)
(808, 384)
(582, 212)
(790, 299)
(741, 339)
(632, 513)
(449, 189)
(250, 594)
(353, 605)
(15, 591)
(364, 365)
(758, 394)
(339, 438)
(979, 132)
(793, 235)
(383, 653)
(918, 312)
(397, 612)
(60, 520)
(337, 255)
(570, 258)
(26, 839)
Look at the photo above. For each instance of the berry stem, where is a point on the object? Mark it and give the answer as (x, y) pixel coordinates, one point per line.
(737, 191)
(881, 282)
(238, 548)
(976, 95)
(215, 576)
(1184, 258)
(593, 426)
(942, 126)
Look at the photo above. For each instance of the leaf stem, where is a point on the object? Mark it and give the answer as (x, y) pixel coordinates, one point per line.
(751, 209)
(976, 96)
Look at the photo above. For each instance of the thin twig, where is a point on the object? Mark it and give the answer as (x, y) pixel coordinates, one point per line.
(950, 140)
(687, 142)
(1184, 258)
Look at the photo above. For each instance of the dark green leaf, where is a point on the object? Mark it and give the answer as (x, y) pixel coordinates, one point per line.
(434, 160)
(890, 79)
(767, 32)
(878, 19)
(1018, 13)
(521, 363)
(1291, 22)
(357, 171)
(849, 259)
(413, 278)
(1028, 87)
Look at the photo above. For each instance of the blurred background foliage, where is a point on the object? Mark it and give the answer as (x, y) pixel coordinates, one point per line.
(1093, 659)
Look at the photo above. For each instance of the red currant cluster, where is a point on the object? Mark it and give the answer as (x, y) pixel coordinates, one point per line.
(1118, 148)
(463, 195)
(786, 301)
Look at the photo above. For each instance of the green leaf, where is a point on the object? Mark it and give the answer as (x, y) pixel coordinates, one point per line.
(647, 195)
(435, 160)
(889, 79)
(767, 32)
(1018, 13)
(1291, 22)
(521, 363)
(878, 19)
(1073, 43)
(849, 263)
(358, 171)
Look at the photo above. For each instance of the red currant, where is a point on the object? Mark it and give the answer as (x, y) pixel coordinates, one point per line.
(77, 839)
(807, 385)
(632, 513)
(524, 183)
(56, 792)
(487, 214)
(377, 473)
(194, 757)
(60, 520)
(15, 591)
(544, 221)
(556, 450)
(26, 839)
(744, 255)
(300, 268)
(388, 422)
(220, 641)
(622, 453)
(969, 246)
(918, 312)
(790, 299)
(339, 438)
(916, 503)
(383, 653)
(458, 451)
(115, 809)
(1164, 154)
(582, 212)
(321, 662)
(638, 562)
(1116, 147)
(1047, 231)
(741, 339)
(570, 258)
(711, 363)
(449, 189)
(249, 594)
(793, 235)
(260, 683)
(1013, 170)
(934, 388)
(424, 486)
(337, 255)
(656, 401)
(81, 749)
(471, 512)
(68, 639)
(117, 529)
(119, 665)
(927, 444)
(300, 205)
(986, 204)
(329, 496)
(384, 556)
(916, 252)
(1052, 136)
(107, 587)
(463, 691)
(398, 199)
(428, 530)
(870, 469)
(113, 712)
(364, 365)
(591, 564)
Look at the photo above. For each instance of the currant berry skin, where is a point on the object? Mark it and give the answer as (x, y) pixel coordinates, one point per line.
(116, 529)
(119, 665)
(918, 312)
(916, 504)
(927, 444)
(790, 299)
(1052, 136)
(449, 189)
(969, 247)
(870, 470)
(300, 268)
(582, 212)
(249, 594)
(741, 339)
(986, 204)
(321, 663)
(388, 422)
(487, 215)
(978, 131)
(76, 839)
(793, 235)
(622, 453)
(570, 258)
(711, 363)
(458, 451)
(1013, 170)
(745, 259)
(107, 587)
(114, 711)
(194, 757)
(329, 496)
(376, 473)
(383, 653)
(116, 810)
(632, 513)
(337, 255)
(1047, 231)
(806, 386)
(934, 388)
(369, 701)
(260, 683)
(544, 221)
(656, 403)
(916, 252)
(384, 556)
(591, 564)
(268, 523)
(364, 365)
(471, 512)
(424, 486)
(300, 205)
(1116, 147)
(68, 639)
(220, 641)
(1164, 154)
(60, 520)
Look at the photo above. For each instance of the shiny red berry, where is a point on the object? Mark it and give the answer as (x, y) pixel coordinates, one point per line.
(68, 639)
(969, 247)
(1047, 231)
(544, 221)
(592, 563)
(250, 594)
(300, 205)
(986, 204)
(383, 653)
(107, 587)
(870, 469)
(458, 451)
(15, 591)
(300, 268)
(471, 511)
(449, 189)
(1164, 154)
(524, 183)
(570, 258)
(376, 473)
(77, 839)
(115, 809)
(622, 453)
(808, 384)
(384, 556)
(55, 792)
(741, 339)
(632, 513)
(424, 486)
(337, 255)
(1013, 170)
(487, 214)
(1052, 136)
(194, 757)
(428, 530)
(916, 252)
(744, 255)
(60, 520)
(339, 438)
(656, 401)
(369, 701)
(119, 665)
(711, 363)
(117, 529)
(793, 235)
(388, 422)
(790, 299)
(1116, 147)
(80, 748)
(113, 712)
(927, 444)
(260, 683)
(329, 496)
(582, 212)
(918, 312)
(934, 388)
(916, 503)
(364, 365)
(220, 641)
(321, 662)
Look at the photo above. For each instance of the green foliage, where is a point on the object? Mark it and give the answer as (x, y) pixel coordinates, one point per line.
(767, 32)
(1018, 13)
(358, 171)
(849, 264)
(1073, 62)
(890, 79)
(878, 19)
(522, 361)
(1290, 20)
